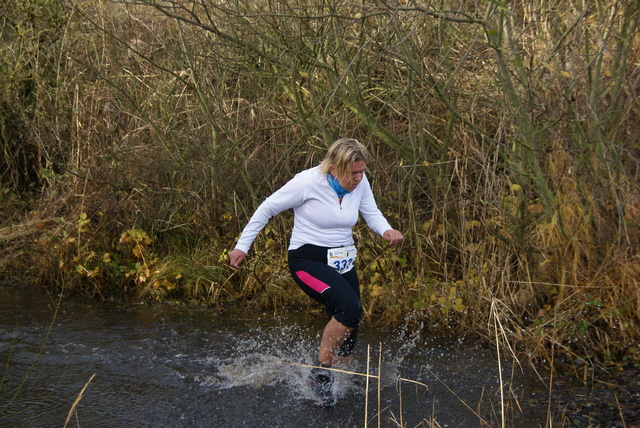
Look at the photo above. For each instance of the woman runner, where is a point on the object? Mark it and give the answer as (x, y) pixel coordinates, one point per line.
(326, 201)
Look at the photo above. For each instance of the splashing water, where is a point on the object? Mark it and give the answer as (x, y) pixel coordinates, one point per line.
(278, 356)
(284, 355)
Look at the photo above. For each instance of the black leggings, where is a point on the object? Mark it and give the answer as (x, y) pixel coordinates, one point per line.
(339, 293)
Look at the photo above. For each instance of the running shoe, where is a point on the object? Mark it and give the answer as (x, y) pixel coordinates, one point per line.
(321, 382)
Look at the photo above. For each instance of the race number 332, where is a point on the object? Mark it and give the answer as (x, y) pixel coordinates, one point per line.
(342, 259)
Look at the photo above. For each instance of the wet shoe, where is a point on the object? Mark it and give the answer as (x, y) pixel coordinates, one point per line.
(321, 382)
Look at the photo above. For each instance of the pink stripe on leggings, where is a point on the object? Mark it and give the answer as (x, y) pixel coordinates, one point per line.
(312, 282)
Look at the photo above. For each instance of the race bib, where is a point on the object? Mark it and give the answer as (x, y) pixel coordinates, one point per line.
(342, 259)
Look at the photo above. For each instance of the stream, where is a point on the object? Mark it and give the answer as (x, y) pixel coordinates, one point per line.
(88, 363)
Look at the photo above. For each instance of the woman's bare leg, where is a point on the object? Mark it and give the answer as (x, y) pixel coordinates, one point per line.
(333, 336)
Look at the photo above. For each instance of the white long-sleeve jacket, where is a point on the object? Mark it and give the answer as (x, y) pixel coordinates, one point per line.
(319, 217)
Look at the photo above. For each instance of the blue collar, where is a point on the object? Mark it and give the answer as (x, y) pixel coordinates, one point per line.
(341, 191)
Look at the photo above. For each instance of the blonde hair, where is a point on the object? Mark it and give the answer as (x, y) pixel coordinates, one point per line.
(342, 154)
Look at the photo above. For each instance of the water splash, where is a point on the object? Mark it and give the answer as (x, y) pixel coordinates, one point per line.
(262, 359)
(387, 358)
(281, 355)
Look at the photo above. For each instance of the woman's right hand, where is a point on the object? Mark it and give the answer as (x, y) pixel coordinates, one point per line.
(236, 257)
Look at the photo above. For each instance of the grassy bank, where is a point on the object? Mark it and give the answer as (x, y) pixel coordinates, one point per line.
(139, 137)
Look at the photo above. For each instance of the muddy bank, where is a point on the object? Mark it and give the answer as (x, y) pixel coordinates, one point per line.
(600, 398)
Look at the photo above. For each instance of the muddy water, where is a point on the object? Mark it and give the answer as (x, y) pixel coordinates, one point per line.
(168, 365)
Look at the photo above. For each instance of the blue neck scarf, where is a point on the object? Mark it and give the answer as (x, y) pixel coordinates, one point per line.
(341, 191)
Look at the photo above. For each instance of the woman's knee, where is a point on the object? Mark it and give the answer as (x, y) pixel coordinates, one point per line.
(349, 313)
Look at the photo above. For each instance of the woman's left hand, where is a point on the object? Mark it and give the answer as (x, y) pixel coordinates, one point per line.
(393, 236)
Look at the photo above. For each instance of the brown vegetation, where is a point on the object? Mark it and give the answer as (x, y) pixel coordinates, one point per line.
(138, 137)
